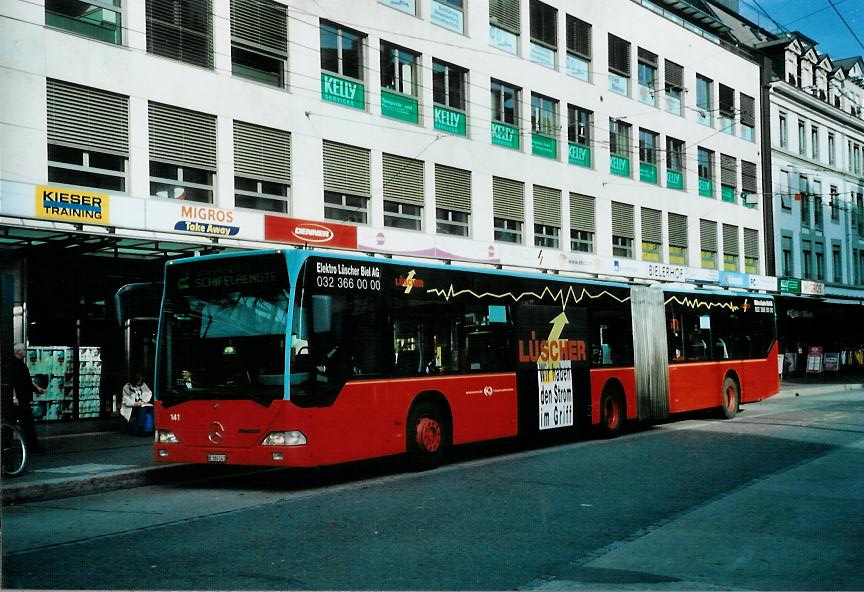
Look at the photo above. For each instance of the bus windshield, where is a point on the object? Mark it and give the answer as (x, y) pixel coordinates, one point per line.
(223, 330)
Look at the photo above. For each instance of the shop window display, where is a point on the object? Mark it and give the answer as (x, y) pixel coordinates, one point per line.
(52, 368)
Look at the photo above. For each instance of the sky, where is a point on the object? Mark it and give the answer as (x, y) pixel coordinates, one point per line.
(816, 19)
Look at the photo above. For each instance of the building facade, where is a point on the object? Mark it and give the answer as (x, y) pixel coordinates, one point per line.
(614, 139)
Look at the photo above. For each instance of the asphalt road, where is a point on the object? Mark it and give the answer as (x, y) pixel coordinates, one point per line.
(770, 500)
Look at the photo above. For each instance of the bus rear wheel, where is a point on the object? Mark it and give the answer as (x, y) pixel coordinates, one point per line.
(731, 398)
(427, 435)
(611, 415)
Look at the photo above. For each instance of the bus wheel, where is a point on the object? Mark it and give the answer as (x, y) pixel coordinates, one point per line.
(611, 415)
(731, 398)
(427, 436)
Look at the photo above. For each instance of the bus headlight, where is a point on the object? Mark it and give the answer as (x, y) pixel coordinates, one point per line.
(292, 438)
(166, 437)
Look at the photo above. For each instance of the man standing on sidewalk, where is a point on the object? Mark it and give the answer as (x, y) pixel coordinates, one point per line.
(24, 386)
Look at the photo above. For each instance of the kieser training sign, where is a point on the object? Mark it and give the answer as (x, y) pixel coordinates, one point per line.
(54, 203)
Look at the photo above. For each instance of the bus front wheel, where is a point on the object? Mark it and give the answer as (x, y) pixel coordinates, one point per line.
(427, 434)
(731, 398)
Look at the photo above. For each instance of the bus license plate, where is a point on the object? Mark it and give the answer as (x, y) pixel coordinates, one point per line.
(217, 458)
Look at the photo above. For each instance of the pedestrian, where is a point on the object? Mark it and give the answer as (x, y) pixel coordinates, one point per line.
(23, 387)
(137, 406)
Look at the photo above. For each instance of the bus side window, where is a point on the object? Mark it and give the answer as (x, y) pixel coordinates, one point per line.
(674, 333)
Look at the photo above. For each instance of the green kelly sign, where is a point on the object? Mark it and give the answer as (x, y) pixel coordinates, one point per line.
(505, 135)
(727, 193)
(618, 165)
(342, 91)
(674, 180)
(544, 146)
(447, 120)
(790, 286)
(706, 188)
(579, 155)
(647, 173)
(396, 106)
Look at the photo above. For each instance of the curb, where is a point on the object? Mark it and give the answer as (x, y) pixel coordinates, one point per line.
(819, 389)
(63, 487)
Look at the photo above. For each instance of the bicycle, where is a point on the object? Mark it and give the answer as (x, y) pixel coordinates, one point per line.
(14, 453)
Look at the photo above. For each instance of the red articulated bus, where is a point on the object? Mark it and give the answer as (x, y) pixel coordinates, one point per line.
(300, 358)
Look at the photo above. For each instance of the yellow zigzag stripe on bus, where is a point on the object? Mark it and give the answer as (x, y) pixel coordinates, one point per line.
(697, 303)
(559, 295)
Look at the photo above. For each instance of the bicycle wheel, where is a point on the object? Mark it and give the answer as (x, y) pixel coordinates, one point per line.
(14, 454)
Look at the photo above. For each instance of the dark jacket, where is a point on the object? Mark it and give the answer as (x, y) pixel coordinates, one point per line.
(21, 381)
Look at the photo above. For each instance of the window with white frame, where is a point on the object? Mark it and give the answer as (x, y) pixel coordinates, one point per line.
(704, 100)
(403, 192)
(619, 65)
(452, 200)
(259, 40)
(181, 30)
(88, 136)
(182, 153)
(582, 223)
(652, 234)
(647, 64)
(347, 187)
(674, 75)
(547, 217)
(727, 109)
(448, 85)
(97, 19)
(508, 209)
(678, 243)
(544, 33)
(341, 50)
(262, 168)
(579, 49)
(708, 243)
(399, 68)
(623, 230)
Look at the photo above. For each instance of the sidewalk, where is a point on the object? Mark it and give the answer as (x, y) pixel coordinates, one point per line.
(82, 463)
(107, 458)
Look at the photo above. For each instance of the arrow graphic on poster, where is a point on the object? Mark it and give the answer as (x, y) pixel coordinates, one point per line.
(558, 324)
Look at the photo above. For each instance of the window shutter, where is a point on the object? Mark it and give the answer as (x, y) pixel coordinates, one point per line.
(652, 225)
(619, 55)
(346, 169)
(730, 239)
(181, 30)
(544, 23)
(677, 230)
(708, 235)
(582, 212)
(748, 111)
(182, 137)
(508, 199)
(87, 118)
(505, 14)
(674, 76)
(751, 243)
(727, 101)
(547, 206)
(260, 23)
(452, 188)
(403, 179)
(748, 177)
(262, 153)
(622, 220)
(646, 57)
(579, 37)
(728, 170)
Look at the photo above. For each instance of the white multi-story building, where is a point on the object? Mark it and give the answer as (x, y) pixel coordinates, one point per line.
(613, 138)
(817, 133)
